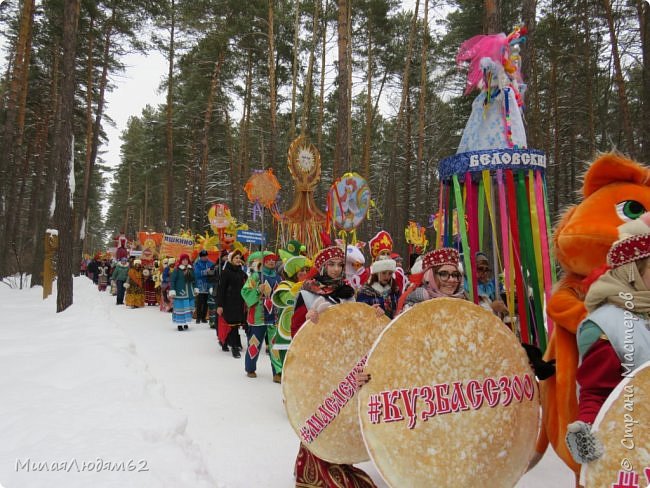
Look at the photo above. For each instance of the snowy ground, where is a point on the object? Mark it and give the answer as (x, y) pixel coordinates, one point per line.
(106, 396)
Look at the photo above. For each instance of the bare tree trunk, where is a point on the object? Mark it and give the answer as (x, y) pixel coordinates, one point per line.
(556, 125)
(90, 91)
(168, 192)
(207, 119)
(294, 71)
(92, 157)
(306, 108)
(321, 108)
(367, 141)
(15, 199)
(127, 207)
(232, 163)
(528, 71)
(64, 155)
(643, 10)
(620, 82)
(10, 156)
(421, 112)
(341, 155)
(36, 191)
(589, 89)
(349, 94)
(406, 174)
(491, 24)
(244, 132)
(189, 188)
(272, 88)
(391, 210)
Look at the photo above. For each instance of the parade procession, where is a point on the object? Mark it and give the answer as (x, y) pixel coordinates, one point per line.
(481, 331)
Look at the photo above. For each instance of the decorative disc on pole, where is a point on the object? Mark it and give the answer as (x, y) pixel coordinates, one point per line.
(348, 201)
(262, 189)
(304, 220)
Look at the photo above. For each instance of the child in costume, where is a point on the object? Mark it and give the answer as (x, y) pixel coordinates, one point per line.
(618, 303)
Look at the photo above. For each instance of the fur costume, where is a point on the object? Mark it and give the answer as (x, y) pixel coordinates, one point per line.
(615, 190)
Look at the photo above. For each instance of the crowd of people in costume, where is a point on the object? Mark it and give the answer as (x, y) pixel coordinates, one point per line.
(271, 296)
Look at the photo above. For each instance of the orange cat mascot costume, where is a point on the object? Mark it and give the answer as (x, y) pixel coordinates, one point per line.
(615, 190)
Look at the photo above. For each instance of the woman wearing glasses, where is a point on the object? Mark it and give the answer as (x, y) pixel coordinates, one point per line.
(441, 277)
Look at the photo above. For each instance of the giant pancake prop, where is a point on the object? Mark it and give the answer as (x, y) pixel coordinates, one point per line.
(318, 383)
(623, 426)
(452, 400)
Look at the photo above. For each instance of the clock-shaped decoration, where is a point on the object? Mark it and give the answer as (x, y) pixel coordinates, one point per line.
(303, 221)
(304, 164)
(305, 159)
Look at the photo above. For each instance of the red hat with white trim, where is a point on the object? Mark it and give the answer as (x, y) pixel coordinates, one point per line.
(634, 243)
(332, 252)
(381, 242)
(439, 257)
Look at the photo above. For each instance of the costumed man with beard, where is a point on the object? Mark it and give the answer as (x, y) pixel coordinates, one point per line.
(327, 288)
(381, 290)
(257, 293)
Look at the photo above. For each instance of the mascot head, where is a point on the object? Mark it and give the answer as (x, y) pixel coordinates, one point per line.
(615, 190)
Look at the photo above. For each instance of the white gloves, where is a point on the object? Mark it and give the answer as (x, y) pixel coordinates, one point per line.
(583, 445)
(196, 291)
(210, 290)
(126, 286)
(171, 293)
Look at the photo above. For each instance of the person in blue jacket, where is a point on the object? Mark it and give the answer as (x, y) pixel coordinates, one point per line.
(203, 269)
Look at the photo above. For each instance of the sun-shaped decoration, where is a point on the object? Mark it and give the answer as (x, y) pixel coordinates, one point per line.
(304, 164)
(305, 159)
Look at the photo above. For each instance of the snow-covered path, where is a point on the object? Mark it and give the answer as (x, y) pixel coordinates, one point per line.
(101, 381)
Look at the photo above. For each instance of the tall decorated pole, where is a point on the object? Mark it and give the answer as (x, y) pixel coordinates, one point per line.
(262, 190)
(304, 221)
(496, 184)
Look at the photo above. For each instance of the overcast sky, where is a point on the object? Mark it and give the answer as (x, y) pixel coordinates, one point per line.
(136, 87)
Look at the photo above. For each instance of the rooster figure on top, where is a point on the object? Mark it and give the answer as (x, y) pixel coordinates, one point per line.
(496, 121)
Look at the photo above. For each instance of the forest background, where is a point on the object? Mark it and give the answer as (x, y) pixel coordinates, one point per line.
(372, 83)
